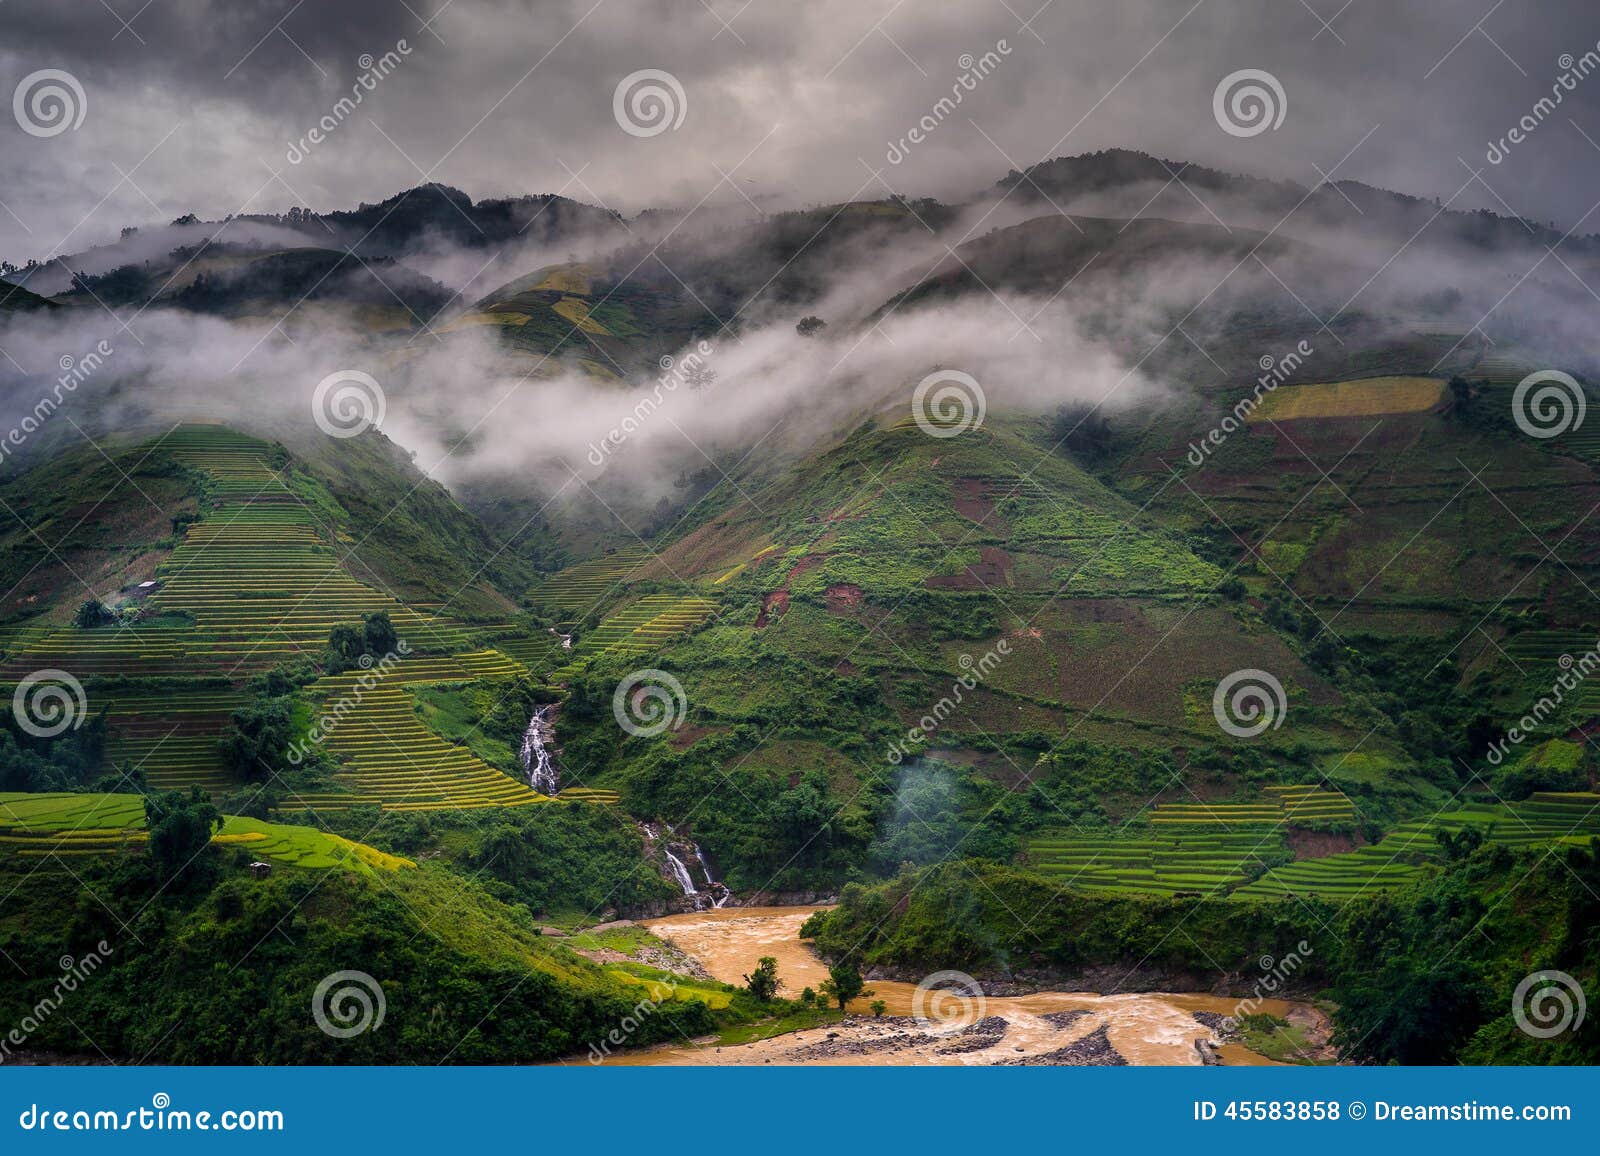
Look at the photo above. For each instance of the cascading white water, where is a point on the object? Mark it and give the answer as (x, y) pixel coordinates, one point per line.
(719, 892)
(536, 758)
(682, 874)
(704, 870)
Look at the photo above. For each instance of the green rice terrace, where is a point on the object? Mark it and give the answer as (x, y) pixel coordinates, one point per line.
(46, 826)
(258, 580)
(577, 590)
(640, 628)
(1243, 850)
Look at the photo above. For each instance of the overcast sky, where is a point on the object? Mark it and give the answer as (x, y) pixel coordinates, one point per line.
(195, 106)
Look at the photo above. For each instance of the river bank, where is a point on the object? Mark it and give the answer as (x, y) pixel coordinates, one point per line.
(1068, 1028)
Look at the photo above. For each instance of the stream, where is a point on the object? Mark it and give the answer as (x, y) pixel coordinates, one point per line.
(1143, 1028)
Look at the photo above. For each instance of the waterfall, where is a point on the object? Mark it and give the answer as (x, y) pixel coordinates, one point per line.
(536, 758)
(704, 870)
(682, 873)
(718, 891)
(566, 639)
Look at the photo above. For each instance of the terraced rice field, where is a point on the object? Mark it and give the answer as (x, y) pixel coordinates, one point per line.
(1361, 398)
(32, 825)
(578, 589)
(1364, 871)
(46, 826)
(1499, 371)
(303, 846)
(393, 760)
(1541, 820)
(1171, 862)
(643, 627)
(1157, 864)
(534, 654)
(1277, 806)
(172, 738)
(1548, 652)
(255, 583)
(397, 763)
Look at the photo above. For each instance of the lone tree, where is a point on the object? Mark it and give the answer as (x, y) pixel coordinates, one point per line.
(844, 983)
(878, 1007)
(258, 740)
(348, 645)
(93, 613)
(378, 634)
(180, 829)
(810, 326)
(763, 983)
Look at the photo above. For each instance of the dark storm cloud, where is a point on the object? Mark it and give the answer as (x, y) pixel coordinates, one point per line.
(198, 106)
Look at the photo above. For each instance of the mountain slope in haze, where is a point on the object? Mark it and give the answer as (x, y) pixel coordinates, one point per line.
(431, 215)
(16, 299)
(106, 515)
(1368, 211)
(614, 328)
(435, 213)
(379, 293)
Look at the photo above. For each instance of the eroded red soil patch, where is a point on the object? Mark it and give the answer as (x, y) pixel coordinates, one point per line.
(1319, 844)
(773, 606)
(806, 563)
(974, 499)
(970, 500)
(844, 597)
(993, 570)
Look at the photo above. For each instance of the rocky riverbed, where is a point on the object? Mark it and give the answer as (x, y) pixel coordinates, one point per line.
(1057, 1028)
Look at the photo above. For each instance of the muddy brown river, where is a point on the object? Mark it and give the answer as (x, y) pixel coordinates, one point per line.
(1143, 1028)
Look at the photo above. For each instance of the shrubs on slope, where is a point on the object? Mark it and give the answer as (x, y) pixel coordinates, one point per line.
(227, 975)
